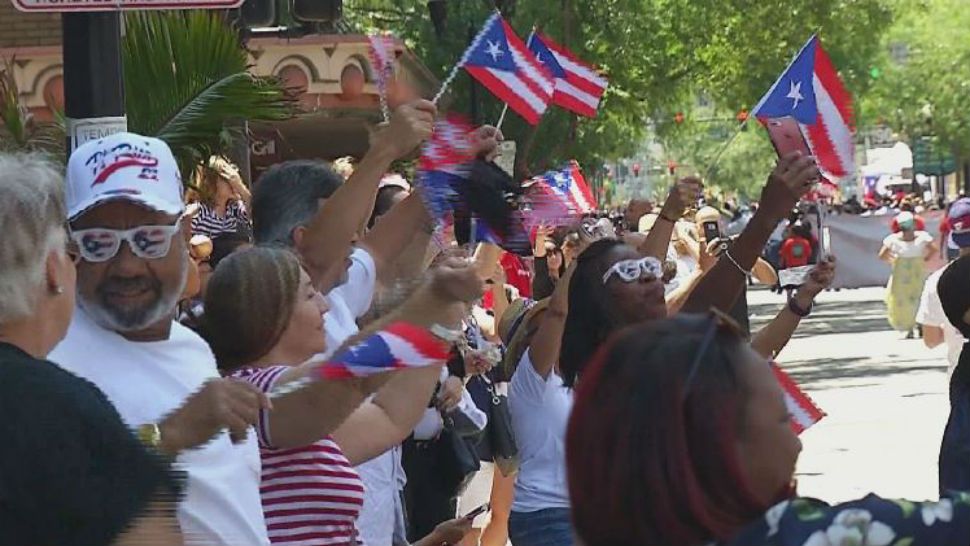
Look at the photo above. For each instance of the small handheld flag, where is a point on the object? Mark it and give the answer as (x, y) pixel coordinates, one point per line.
(804, 412)
(811, 91)
(578, 86)
(382, 58)
(559, 196)
(500, 61)
(445, 161)
(399, 346)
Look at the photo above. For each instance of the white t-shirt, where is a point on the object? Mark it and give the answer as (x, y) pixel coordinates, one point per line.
(146, 381)
(350, 300)
(908, 249)
(540, 411)
(931, 313)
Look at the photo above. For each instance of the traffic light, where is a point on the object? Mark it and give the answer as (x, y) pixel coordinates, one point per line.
(679, 118)
(636, 170)
(258, 13)
(672, 167)
(323, 11)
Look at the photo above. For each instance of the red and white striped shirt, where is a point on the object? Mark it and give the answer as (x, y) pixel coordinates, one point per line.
(311, 495)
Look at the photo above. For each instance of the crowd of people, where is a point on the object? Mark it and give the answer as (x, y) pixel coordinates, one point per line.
(317, 361)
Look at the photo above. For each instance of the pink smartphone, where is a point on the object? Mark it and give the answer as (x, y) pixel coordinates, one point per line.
(786, 136)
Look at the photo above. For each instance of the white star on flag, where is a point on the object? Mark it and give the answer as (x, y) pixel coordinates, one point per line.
(494, 50)
(561, 179)
(795, 93)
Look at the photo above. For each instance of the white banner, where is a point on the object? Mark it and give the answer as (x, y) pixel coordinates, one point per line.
(856, 241)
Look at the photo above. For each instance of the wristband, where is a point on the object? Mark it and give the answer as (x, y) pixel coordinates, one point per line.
(735, 262)
(797, 310)
(667, 218)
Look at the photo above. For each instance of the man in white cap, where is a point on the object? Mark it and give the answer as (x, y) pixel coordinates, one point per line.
(126, 214)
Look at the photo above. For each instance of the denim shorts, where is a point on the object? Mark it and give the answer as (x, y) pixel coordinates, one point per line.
(549, 527)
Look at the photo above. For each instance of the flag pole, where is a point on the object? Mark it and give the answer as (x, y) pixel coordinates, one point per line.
(723, 148)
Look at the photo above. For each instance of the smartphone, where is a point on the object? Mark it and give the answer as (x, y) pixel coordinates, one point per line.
(712, 231)
(786, 136)
(478, 511)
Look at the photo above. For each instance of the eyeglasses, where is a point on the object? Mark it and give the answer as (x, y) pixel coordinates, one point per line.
(97, 245)
(632, 270)
(717, 320)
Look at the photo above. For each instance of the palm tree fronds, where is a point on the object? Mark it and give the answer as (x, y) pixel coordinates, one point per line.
(186, 81)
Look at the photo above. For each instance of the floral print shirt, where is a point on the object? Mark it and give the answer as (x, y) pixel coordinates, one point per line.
(871, 521)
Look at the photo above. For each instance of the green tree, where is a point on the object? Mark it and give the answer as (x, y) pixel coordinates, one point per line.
(20, 130)
(186, 82)
(923, 84)
(658, 55)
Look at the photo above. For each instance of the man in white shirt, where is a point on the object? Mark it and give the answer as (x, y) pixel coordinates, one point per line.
(306, 206)
(125, 208)
(936, 328)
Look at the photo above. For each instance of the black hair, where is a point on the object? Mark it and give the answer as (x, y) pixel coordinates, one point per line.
(590, 319)
(286, 197)
(227, 242)
(384, 202)
(954, 291)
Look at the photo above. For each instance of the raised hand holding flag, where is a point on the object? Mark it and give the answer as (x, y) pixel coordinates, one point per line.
(811, 91)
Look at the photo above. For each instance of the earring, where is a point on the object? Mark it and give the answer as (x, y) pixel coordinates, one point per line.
(58, 290)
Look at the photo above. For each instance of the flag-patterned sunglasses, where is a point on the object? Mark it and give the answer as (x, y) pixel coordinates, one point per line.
(633, 270)
(98, 245)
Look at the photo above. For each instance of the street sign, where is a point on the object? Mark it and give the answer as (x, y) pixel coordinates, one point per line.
(86, 130)
(114, 5)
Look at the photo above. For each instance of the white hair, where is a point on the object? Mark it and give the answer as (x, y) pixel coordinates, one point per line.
(32, 220)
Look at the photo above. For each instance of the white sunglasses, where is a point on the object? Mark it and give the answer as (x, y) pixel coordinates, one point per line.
(632, 270)
(97, 245)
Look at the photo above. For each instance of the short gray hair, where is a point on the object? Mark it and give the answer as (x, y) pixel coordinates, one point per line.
(32, 220)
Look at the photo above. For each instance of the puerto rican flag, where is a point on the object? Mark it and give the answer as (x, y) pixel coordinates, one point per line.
(382, 56)
(499, 60)
(810, 91)
(559, 196)
(804, 412)
(579, 86)
(398, 346)
(445, 161)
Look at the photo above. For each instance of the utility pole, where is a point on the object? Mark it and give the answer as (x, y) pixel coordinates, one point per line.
(94, 95)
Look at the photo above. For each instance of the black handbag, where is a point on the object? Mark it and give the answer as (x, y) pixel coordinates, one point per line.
(456, 458)
(505, 452)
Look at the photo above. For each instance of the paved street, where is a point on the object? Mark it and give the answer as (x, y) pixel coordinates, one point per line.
(885, 398)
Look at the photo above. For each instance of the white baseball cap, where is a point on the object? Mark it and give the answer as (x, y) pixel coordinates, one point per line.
(124, 167)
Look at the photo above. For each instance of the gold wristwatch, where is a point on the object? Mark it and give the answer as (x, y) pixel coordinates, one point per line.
(150, 435)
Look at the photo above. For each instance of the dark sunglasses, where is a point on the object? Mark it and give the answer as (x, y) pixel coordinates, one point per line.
(717, 321)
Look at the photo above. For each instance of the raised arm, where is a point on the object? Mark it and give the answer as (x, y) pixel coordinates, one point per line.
(772, 338)
(682, 195)
(399, 241)
(388, 418)
(366, 429)
(792, 177)
(545, 346)
(326, 241)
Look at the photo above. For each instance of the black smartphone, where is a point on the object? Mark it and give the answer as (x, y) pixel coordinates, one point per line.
(478, 511)
(712, 231)
(786, 136)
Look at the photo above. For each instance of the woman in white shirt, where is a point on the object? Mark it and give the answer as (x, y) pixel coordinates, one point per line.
(907, 252)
